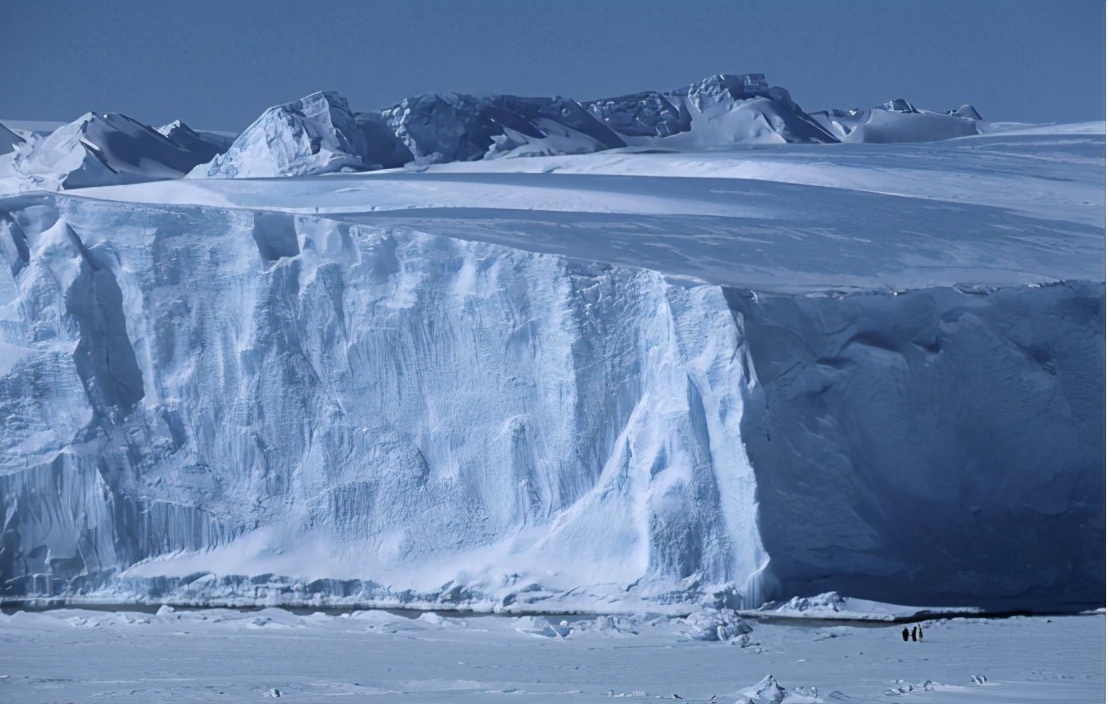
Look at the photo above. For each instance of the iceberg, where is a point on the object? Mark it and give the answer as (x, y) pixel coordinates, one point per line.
(317, 134)
(320, 133)
(629, 387)
(97, 150)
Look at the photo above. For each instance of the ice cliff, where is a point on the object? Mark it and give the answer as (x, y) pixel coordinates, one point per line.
(564, 391)
(349, 404)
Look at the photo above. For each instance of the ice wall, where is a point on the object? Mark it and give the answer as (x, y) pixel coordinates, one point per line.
(209, 403)
(935, 447)
(256, 393)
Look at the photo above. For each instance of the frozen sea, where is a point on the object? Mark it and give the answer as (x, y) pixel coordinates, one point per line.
(214, 655)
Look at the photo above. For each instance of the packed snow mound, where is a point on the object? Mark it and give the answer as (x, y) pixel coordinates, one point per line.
(967, 111)
(98, 150)
(900, 121)
(833, 606)
(316, 134)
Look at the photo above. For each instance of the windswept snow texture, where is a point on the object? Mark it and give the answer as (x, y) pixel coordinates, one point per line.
(643, 381)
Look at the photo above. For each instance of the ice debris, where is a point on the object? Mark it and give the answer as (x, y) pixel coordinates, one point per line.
(716, 625)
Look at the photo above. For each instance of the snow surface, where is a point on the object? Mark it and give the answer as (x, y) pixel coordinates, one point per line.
(643, 381)
(373, 656)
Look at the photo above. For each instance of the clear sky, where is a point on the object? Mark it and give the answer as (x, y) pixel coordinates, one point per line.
(217, 64)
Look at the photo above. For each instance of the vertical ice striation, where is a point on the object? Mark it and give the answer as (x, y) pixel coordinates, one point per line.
(200, 389)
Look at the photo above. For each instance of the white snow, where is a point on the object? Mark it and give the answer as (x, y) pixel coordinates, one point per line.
(376, 656)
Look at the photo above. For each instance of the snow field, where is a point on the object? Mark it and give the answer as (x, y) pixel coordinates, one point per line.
(219, 655)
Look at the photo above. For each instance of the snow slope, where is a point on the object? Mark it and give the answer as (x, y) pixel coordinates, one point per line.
(599, 389)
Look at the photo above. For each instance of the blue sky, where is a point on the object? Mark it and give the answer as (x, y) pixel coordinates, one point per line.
(218, 64)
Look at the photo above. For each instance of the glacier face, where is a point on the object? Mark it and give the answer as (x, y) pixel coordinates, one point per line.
(318, 400)
(950, 442)
(565, 391)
